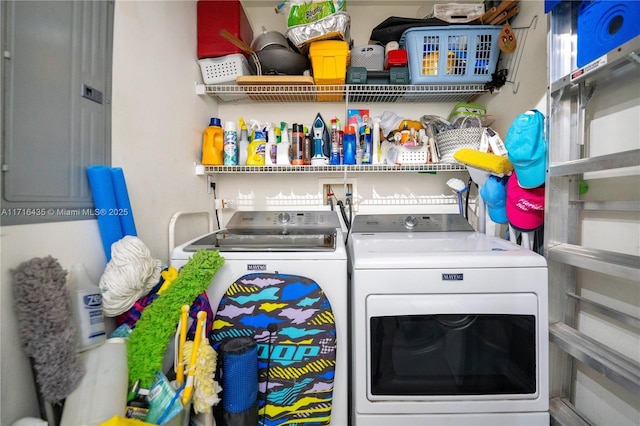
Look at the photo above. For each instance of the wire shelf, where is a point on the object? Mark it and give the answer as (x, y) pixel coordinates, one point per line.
(338, 169)
(373, 93)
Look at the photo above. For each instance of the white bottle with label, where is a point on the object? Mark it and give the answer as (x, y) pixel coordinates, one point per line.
(243, 145)
(86, 305)
(282, 154)
(270, 152)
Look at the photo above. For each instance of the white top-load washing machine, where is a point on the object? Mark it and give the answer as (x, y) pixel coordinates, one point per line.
(304, 243)
(449, 326)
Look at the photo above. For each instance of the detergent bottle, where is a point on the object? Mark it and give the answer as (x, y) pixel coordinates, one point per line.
(349, 142)
(243, 144)
(283, 146)
(213, 143)
(257, 150)
(86, 304)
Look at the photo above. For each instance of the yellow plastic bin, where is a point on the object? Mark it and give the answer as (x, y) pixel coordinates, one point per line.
(329, 60)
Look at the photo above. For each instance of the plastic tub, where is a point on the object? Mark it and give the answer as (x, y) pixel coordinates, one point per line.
(452, 54)
(329, 62)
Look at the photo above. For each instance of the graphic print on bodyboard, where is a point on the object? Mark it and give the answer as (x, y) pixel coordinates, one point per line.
(292, 322)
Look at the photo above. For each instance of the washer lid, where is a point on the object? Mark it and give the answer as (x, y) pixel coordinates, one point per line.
(410, 223)
(263, 240)
(428, 250)
(273, 231)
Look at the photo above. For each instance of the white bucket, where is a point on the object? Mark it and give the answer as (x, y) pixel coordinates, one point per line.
(102, 393)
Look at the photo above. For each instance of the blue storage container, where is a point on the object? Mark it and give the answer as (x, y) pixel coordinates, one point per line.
(604, 25)
(452, 54)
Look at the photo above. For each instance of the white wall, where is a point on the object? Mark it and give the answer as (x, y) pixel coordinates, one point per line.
(157, 119)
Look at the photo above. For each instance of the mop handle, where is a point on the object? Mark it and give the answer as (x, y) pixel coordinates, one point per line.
(188, 390)
(184, 315)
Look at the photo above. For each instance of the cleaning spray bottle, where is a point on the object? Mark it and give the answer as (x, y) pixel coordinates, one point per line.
(243, 144)
(257, 150)
(213, 143)
(86, 305)
(283, 146)
(270, 153)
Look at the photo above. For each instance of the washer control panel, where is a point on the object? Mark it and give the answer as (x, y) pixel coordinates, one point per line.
(410, 223)
(289, 219)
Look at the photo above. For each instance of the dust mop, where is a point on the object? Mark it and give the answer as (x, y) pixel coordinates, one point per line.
(45, 326)
(201, 359)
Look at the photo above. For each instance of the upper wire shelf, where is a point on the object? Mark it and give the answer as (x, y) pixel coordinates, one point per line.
(338, 169)
(372, 93)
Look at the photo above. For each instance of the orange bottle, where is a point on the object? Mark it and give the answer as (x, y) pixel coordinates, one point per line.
(213, 144)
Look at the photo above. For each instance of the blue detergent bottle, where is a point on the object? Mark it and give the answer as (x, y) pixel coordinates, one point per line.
(349, 142)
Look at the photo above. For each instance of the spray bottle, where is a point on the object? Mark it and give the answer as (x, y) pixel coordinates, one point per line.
(257, 150)
(213, 143)
(86, 305)
(243, 144)
(283, 146)
(270, 152)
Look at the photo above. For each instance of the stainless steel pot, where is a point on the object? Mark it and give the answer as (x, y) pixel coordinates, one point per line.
(269, 39)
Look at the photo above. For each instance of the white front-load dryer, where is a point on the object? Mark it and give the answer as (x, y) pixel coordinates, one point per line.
(305, 243)
(449, 326)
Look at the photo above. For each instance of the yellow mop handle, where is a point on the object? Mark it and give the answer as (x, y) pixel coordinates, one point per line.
(188, 389)
(184, 318)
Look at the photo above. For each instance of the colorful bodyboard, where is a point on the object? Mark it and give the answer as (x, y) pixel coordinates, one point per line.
(291, 320)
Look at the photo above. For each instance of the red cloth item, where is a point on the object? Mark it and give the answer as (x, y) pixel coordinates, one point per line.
(525, 207)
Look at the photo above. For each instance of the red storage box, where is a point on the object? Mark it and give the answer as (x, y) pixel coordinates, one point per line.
(396, 58)
(214, 15)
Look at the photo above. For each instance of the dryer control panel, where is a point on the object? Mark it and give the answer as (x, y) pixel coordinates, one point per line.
(410, 223)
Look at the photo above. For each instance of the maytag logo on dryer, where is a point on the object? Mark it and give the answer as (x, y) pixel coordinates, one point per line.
(452, 277)
(256, 266)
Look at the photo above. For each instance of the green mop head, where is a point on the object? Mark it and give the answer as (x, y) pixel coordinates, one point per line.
(150, 338)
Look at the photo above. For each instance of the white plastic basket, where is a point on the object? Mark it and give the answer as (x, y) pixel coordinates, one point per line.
(413, 155)
(224, 69)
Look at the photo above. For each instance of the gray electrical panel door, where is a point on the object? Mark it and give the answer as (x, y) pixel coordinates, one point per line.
(56, 119)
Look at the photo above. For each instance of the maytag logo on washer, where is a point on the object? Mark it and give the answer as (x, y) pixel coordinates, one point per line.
(256, 267)
(452, 277)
